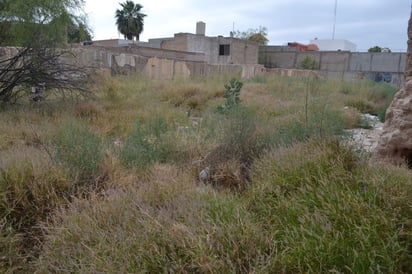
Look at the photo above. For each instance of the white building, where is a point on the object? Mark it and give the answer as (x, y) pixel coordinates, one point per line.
(334, 44)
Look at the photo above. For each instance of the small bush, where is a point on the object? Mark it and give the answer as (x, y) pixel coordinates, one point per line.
(381, 113)
(363, 106)
(322, 123)
(381, 95)
(238, 144)
(309, 63)
(346, 88)
(146, 145)
(79, 149)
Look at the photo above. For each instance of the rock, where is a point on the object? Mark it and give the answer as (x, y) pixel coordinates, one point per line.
(396, 139)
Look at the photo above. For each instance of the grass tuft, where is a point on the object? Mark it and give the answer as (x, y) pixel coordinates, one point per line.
(79, 149)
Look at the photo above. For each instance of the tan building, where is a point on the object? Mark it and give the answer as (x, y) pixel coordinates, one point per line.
(216, 50)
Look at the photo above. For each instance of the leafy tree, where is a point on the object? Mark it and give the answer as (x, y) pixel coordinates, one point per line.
(379, 49)
(375, 49)
(257, 35)
(129, 20)
(39, 29)
(78, 32)
(38, 22)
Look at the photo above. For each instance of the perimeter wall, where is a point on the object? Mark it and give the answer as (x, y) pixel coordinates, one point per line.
(158, 63)
(378, 66)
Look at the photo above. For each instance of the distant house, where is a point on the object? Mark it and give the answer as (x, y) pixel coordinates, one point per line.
(334, 45)
(216, 50)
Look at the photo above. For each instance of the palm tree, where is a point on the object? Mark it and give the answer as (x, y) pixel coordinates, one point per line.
(129, 20)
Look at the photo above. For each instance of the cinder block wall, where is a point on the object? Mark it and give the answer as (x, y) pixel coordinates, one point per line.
(378, 66)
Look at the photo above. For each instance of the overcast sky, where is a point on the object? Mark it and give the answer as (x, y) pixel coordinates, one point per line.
(364, 22)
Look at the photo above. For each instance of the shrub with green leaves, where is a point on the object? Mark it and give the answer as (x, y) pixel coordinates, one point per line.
(79, 149)
(146, 145)
(309, 63)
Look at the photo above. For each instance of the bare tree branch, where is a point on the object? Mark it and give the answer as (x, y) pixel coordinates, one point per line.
(30, 67)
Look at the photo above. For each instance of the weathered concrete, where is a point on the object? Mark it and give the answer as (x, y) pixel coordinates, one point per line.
(129, 62)
(380, 67)
(148, 62)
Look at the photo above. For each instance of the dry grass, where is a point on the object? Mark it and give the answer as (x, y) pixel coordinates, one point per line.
(67, 167)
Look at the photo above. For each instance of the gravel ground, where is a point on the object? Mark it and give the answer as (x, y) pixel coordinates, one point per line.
(366, 139)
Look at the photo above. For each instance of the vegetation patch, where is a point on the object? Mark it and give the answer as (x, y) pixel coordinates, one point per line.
(112, 185)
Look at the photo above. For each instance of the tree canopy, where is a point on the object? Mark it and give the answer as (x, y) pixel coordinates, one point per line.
(375, 49)
(39, 22)
(39, 30)
(378, 49)
(129, 20)
(257, 35)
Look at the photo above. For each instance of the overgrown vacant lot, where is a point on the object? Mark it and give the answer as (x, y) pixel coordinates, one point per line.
(111, 184)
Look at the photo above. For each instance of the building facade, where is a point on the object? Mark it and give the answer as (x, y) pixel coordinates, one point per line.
(334, 45)
(216, 50)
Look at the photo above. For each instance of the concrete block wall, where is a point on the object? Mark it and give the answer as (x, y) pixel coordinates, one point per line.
(380, 67)
(132, 61)
(244, 52)
(154, 67)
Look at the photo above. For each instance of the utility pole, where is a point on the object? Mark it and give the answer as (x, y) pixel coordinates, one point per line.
(334, 20)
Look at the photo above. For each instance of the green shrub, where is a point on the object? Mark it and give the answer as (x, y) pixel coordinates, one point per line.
(381, 95)
(362, 105)
(79, 149)
(381, 113)
(146, 145)
(309, 63)
(239, 141)
(322, 123)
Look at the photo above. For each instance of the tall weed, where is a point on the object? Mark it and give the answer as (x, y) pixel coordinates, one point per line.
(79, 149)
(148, 143)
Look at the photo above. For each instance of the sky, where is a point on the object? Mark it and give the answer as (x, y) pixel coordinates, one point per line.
(367, 23)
